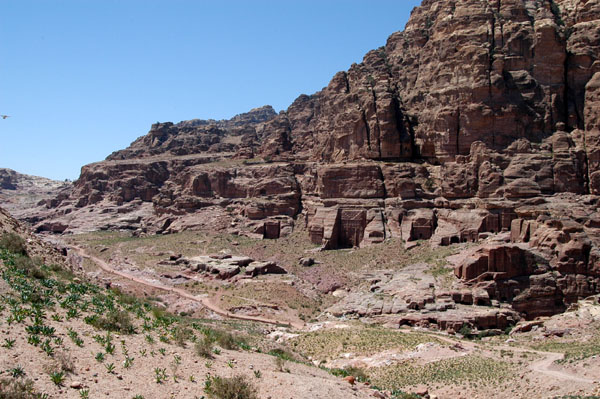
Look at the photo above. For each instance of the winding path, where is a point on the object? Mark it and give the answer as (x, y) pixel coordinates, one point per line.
(205, 301)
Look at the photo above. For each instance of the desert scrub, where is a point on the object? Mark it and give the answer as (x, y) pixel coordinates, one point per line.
(472, 369)
(358, 340)
(238, 387)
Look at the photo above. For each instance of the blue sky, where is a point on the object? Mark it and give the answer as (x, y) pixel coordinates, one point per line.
(83, 78)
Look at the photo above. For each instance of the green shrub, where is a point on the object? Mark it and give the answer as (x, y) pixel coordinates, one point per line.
(465, 331)
(115, 320)
(32, 267)
(224, 339)
(13, 243)
(237, 387)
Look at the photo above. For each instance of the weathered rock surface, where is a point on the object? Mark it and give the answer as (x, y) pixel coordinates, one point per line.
(227, 266)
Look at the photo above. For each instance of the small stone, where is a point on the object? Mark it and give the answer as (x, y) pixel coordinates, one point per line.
(306, 262)
(76, 385)
(350, 379)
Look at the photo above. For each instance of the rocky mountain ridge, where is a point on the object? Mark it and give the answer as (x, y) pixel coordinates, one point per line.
(480, 118)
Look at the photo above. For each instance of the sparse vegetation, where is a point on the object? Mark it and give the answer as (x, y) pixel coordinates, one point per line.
(160, 375)
(573, 350)
(57, 377)
(476, 369)
(358, 340)
(355, 372)
(116, 321)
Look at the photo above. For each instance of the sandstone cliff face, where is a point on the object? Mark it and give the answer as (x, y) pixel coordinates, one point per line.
(482, 117)
(462, 71)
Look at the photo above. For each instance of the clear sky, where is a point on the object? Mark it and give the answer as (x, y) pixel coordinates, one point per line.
(83, 78)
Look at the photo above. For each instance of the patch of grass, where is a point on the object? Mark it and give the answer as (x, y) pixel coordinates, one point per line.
(279, 364)
(224, 339)
(473, 369)
(331, 343)
(355, 372)
(398, 394)
(281, 353)
(30, 266)
(181, 334)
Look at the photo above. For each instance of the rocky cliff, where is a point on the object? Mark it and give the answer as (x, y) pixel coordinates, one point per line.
(481, 117)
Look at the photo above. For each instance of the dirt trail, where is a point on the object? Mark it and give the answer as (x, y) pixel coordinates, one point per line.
(205, 301)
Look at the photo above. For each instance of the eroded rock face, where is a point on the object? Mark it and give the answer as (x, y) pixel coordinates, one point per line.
(480, 118)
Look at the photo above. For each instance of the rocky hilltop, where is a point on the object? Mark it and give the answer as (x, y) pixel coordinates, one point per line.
(479, 122)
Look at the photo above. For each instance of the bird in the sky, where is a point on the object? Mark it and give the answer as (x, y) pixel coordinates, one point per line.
(4, 116)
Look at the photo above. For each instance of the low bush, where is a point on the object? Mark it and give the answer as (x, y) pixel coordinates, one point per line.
(115, 320)
(31, 266)
(17, 389)
(237, 387)
(13, 243)
(204, 347)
